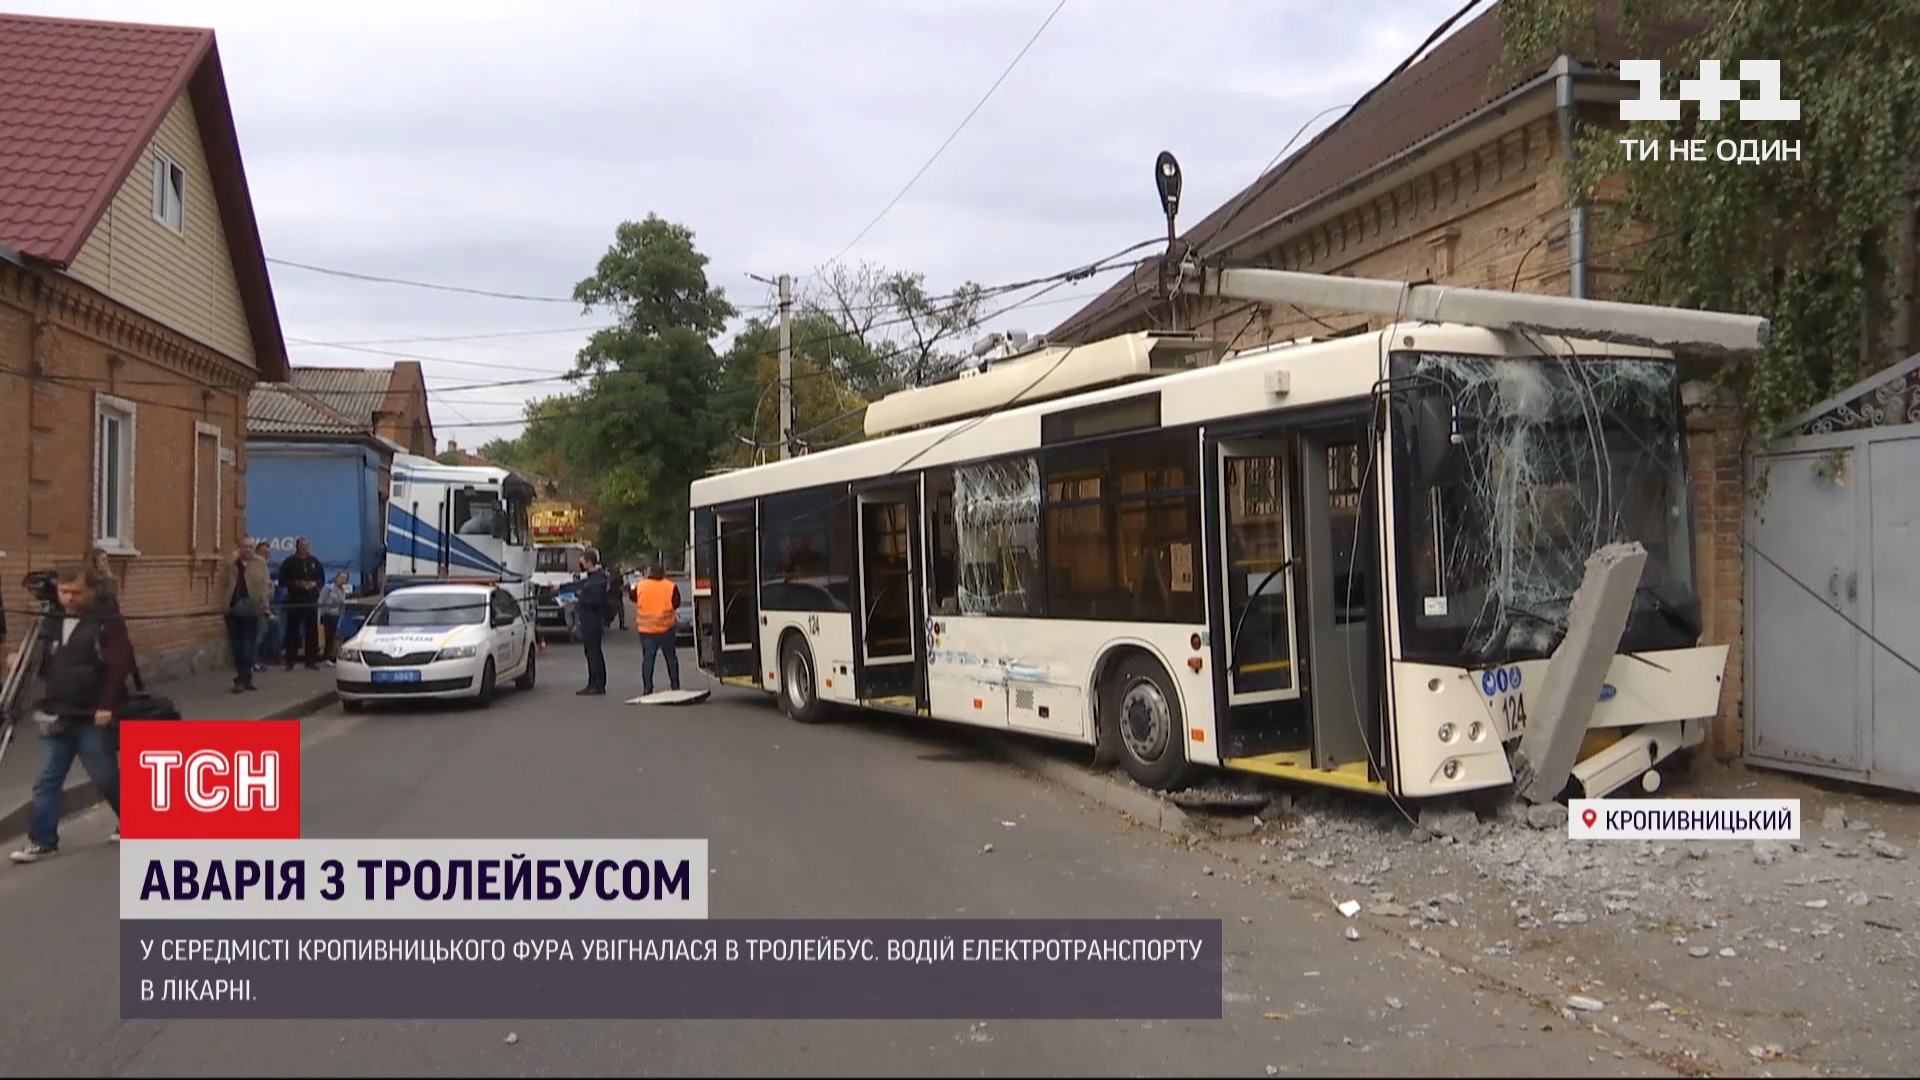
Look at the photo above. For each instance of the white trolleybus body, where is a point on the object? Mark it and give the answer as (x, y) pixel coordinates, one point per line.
(1293, 561)
(459, 523)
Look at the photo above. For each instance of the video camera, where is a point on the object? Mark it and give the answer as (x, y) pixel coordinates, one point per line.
(43, 585)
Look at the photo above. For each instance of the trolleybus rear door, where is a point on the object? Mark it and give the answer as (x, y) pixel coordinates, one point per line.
(889, 619)
(738, 592)
(1257, 592)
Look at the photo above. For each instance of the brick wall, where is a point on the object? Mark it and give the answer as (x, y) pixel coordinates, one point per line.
(62, 347)
(1496, 218)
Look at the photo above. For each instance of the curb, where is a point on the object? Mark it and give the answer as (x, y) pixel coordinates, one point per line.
(82, 795)
(1115, 794)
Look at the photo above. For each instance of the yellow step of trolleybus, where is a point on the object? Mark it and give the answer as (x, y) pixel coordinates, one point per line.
(1346, 562)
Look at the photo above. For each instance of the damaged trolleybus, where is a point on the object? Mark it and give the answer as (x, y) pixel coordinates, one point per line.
(1345, 562)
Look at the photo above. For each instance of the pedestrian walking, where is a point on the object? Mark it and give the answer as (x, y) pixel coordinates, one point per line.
(656, 614)
(333, 605)
(89, 657)
(245, 587)
(592, 612)
(302, 574)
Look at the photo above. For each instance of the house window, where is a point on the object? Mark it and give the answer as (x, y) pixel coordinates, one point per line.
(169, 192)
(207, 489)
(113, 428)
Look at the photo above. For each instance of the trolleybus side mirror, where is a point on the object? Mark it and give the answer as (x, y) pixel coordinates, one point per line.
(1438, 452)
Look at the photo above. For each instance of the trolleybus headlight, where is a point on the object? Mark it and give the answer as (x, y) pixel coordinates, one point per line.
(1446, 732)
(1451, 769)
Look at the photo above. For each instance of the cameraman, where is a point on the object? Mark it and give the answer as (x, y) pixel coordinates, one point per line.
(88, 659)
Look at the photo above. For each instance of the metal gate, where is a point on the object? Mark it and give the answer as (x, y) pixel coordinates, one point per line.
(1833, 588)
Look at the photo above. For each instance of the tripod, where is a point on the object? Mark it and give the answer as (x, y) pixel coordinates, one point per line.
(21, 676)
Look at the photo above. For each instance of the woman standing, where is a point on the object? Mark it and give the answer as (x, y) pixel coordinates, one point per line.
(106, 587)
(333, 604)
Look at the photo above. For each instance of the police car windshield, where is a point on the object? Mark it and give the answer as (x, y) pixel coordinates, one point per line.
(431, 610)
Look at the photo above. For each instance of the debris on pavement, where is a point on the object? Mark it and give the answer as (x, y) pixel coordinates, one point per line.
(1349, 908)
(512, 1038)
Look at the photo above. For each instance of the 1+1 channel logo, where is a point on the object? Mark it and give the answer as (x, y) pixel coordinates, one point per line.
(1710, 91)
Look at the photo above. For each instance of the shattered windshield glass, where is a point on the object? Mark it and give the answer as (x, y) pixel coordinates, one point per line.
(1555, 459)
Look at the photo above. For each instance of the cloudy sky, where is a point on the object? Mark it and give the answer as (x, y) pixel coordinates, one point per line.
(495, 146)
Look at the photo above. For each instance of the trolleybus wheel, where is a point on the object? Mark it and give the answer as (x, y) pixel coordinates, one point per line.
(799, 690)
(1141, 725)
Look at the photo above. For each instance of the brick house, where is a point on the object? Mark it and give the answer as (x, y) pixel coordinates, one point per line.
(392, 401)
(1449, 173)
(136, 314)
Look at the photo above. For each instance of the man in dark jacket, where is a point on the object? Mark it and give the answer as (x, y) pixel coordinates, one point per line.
(592, 612)
(89, 657)
(303, 575)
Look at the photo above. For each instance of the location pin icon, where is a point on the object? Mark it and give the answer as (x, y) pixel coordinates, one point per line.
(1588, 816)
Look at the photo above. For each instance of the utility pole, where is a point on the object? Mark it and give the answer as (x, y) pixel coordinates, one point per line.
(786, 365)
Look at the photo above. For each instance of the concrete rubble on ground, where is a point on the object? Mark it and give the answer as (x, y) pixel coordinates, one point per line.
(1807, 936)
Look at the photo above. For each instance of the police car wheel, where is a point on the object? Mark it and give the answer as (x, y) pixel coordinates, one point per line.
(485, 697)
(526, 678)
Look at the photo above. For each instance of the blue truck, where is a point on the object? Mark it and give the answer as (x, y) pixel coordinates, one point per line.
(330, 493)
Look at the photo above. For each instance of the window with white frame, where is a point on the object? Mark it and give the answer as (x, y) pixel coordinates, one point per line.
(208, 490)
(169, 192)
(113, 442)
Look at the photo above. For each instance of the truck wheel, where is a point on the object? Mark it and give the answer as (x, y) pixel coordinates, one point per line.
(1141, 725)
(799, 689)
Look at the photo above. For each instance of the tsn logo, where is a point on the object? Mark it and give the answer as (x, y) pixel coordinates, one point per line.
(211, 780)
(1709, 90)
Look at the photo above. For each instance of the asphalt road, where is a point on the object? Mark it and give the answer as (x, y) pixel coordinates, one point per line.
(865, 817)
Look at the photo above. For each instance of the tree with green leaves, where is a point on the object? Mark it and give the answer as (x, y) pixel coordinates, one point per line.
(826, 408)
(646, 417)
(1823, 245)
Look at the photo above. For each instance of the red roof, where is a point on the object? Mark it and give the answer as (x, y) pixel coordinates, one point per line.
(79, 102)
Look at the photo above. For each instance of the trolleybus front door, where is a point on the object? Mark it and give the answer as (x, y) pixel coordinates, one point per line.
(889, 622)
(1257, 594)
(1338, 486)
(737, 590)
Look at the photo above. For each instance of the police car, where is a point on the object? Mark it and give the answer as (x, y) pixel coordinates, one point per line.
(437, 642)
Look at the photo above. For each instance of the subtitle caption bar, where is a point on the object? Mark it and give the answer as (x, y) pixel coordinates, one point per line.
(1683, 819)
(904, 969)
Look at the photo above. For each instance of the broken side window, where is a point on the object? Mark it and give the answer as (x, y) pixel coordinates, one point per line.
(996, 519)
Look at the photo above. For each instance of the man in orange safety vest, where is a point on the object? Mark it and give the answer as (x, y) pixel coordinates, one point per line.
(656, 611)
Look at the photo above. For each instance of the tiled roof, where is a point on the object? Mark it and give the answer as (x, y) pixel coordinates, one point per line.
(79, 102)
(351, 392)
(280, 409)
(1459, 77)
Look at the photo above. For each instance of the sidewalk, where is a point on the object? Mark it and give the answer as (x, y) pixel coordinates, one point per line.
(283, 695)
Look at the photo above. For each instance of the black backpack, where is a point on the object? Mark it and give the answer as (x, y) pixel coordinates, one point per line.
(141, 705)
